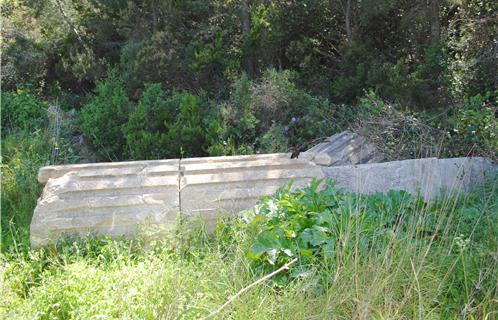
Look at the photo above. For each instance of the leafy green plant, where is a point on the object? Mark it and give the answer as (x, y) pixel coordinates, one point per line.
(147, 128)
(275, 140)
(308, 222)
(23, 153)
(273, 108)
(22, 111)
(358, 255)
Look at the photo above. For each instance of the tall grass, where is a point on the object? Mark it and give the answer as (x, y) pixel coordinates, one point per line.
(439, 262)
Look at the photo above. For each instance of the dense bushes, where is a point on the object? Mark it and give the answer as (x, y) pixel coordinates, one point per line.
(308, 222)
(166, 125)
(475, 126)
(269, 115)
(21, 111)
(104, 116)
(364, 69)
(32, 136)
(22, 155)
(272, 114)
(161, 125)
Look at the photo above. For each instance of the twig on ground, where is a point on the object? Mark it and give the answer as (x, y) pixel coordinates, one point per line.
(268, 276)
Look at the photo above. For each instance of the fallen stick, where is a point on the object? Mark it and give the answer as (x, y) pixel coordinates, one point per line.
(268, 276)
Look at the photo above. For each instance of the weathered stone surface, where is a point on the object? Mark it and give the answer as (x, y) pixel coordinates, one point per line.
(427, 176)
(111, 198)
(342, 149)
(118, 198)
(212, 187)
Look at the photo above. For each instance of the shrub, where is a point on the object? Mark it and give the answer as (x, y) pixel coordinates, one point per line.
(189, 131)
(398, 134)
(147, 128)
(257, 108)
(22, 155)
(238, 119)
(275, 98)
(275, 140)
(103, 117)
(474, 127)
(375, 239)
(167, 125)
(364, 68)
(21, 111)
(24, 60)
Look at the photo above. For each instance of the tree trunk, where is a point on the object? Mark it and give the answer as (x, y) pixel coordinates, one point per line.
(248, 59)
(347, 14)
(68, 21)
(266, 52)
(436, 22)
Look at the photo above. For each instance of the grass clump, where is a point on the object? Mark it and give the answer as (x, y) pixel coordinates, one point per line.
(382, 256)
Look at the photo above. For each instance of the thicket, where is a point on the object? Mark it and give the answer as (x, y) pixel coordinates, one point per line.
(272, 114)
(234, 77)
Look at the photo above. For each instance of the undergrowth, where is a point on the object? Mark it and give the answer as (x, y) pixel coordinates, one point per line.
(382, 256)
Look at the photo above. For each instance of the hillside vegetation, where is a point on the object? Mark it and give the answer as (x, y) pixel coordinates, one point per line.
(106, 80)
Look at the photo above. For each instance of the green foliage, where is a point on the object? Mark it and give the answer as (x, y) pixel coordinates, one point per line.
(22, 111)
(23, 153)
(384, 256)
(167, 125)
(475, 127)
(103, 117)
(330, 231)
(146, 131)
(272, 114)
(274, 140)
(399, 134)
(23, 61)
(308, 222)
(473, 65)
(364, 69)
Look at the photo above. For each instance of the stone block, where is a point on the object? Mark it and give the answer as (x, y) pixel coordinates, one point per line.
(109, 198)
(341, 149)
(213, 187)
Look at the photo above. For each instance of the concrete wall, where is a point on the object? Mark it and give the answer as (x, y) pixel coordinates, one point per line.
(117, 198)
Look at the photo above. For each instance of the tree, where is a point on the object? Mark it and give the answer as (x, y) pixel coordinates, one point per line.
(248, 59)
